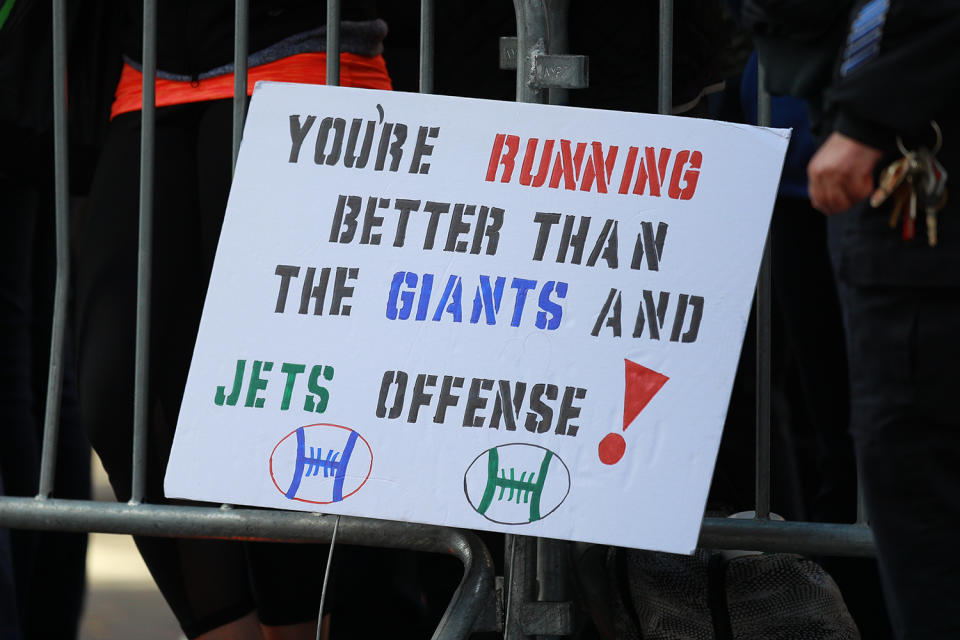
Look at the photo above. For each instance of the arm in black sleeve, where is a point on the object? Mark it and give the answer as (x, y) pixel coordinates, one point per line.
(900, 85)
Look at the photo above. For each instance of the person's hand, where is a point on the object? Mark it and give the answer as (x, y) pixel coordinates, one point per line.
(841, 173)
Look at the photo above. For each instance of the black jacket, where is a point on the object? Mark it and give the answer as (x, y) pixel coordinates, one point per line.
(26, 86)
(194, 36)
(896, 89)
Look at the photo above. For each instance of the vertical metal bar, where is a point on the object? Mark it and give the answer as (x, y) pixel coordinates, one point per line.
(558, 41)
(764, 101)
(427, 45)
(521, 570)
(531, 42)
(51, 419)
(553, 556)
(553, 570)
(762, 507)
(863, 517)
(326, 578)
(145, 252)
(762, 480)
(509, 561)
(241, 47)
(665, 94)
(521, 562)
(333, 42)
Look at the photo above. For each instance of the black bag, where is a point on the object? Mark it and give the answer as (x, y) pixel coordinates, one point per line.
(647, 595)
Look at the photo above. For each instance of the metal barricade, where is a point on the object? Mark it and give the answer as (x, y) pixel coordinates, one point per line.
(534, 600)
(528, 614)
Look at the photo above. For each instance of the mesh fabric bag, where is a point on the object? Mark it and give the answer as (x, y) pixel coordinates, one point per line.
(704, 596)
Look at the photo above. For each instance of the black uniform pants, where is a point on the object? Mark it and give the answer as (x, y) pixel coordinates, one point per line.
(904, 349)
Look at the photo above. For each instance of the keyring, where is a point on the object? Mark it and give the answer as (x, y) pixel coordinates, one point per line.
(936, 146)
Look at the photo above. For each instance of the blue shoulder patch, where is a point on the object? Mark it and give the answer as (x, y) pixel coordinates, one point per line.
(863, 40)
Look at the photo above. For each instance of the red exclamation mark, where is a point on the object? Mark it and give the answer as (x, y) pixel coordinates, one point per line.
(641, 385)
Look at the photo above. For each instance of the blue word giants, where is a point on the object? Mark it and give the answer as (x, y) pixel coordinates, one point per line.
(422, 298)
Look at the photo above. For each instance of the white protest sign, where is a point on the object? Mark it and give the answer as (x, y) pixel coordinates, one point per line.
(480, 314)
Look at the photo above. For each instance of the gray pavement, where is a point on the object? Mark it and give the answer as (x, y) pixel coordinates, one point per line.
(122, 602)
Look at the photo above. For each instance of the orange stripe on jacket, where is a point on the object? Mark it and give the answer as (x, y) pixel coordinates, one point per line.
(309, 68)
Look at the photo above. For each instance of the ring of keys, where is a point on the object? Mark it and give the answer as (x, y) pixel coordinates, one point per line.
(914, 181)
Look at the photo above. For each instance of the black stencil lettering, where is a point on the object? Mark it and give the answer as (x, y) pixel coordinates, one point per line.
(476, 401)
(696, 302)
(649, 246)
(422, 149)
(398, 132)
(546, 222)
(318, 293)
(493, 230)
(435, 209)
(390, 378)
(541, 410)
(286, 272)
(297, 134)
(371, 220)
(338, 125)
(348, 208)
(478, 230)
(403, 207)
(576, 240)
(349, 157)
(458, 227)
(656, 313)
(568, 411)
(507, 405)
(611, 313)
(341, 291)
(447, 398)
(420, 397)
(607, 244)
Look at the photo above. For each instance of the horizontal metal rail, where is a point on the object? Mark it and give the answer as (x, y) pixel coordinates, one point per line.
(809, 538)
(472, 607)
(471, 599)
(264, 524)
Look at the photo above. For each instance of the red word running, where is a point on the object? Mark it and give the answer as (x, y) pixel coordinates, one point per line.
(592, 167)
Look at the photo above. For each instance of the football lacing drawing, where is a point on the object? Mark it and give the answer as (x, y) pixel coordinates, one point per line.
(529, 488)
(334, 464)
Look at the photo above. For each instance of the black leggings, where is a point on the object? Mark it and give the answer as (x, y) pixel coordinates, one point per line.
(44, 566)
(205, 582)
